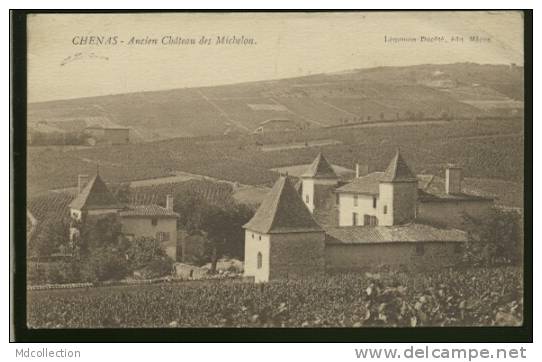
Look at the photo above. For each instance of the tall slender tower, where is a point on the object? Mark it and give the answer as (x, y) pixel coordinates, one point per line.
(398, 192)
(318, 177)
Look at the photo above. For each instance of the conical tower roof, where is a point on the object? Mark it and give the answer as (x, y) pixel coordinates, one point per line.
(95, 195)
(398, 171)
(320, 168)
(282, 211)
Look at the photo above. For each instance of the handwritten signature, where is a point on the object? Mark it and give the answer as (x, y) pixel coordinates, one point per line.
(81, 56)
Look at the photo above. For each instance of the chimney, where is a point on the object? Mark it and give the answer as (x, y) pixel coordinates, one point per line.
(169, 202)
(82, 181)
(454, 178)
(361, 170)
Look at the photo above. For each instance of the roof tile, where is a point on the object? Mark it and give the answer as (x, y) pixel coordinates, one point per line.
(151, 210)
(282, 211)
(95, 195)
(389, 234)
(320, 168)
(398, 170)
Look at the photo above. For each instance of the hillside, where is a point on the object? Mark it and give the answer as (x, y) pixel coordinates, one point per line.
(484, 148)
(462, 90)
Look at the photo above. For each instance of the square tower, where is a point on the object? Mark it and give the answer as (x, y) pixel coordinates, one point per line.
(398, 192)
(283, 240)
(319, 175)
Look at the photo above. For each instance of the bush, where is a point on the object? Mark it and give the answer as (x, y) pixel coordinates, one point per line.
(157, 268)
(495, 238)
(63, 272)
(36, 273)
(104, 264)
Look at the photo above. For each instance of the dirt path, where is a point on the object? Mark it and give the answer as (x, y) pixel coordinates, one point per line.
(297, 114)
(339, 109)
(222, 112)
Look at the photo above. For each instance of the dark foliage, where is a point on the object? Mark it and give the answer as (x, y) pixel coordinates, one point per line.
(466, 297)
(495, 238)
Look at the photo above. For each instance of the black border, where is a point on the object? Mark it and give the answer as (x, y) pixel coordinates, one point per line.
(18, 233)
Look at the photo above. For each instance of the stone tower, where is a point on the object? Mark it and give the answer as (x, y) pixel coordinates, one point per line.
(283, 240)
(317, 181)
(398, 191)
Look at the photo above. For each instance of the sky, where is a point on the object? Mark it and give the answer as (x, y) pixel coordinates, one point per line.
(285, 45)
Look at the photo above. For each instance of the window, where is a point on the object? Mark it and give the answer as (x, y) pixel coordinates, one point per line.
(154, 221)
(162, 236)
(374, 202)
(307, 199)
(259, 260)
(252, 236)
(337, 199)
(355, 200)
(420, 249)
(385, 209)
(370, 220)
(354, 218)
(259, 237)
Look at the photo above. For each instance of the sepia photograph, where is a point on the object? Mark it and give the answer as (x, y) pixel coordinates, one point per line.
(338, 169)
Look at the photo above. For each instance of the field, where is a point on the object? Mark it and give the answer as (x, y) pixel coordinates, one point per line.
(200, 141)
(466, 297)
(385, 93)
(491, 149)
(218, 193)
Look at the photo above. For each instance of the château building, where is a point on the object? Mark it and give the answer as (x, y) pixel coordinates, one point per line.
(393, 217)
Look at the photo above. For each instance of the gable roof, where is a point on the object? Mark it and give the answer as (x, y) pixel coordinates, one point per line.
(398, 171)
(95, 195)
(151, 210)
(282, 211)
(368, 184)
(298, 186)
(320, 168)
(432, 189)
(393, 234)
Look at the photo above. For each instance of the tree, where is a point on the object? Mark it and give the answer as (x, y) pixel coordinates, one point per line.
(141, 251)
(223, 227)
(99, 231)
(494, 238)
(54, 237)
(191, 208)
(221, 224)
(104, 263)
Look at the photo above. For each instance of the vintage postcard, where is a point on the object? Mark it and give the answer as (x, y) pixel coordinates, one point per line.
(275, 169)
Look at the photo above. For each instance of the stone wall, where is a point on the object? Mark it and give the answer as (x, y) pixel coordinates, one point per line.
(451, 213)
(344, 257)
(296, 255)
(405, 198)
